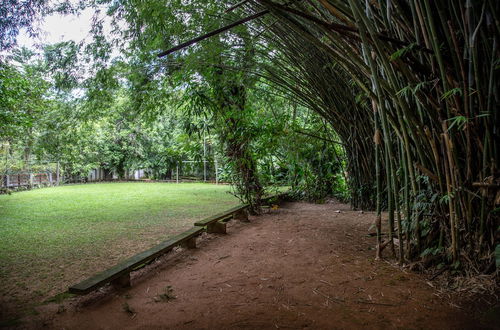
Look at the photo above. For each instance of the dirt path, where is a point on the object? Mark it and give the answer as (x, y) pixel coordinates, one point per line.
(301, 266)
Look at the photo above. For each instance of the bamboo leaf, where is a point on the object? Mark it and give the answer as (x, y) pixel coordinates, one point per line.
(402, 52)
(452, 92)
(458, 121)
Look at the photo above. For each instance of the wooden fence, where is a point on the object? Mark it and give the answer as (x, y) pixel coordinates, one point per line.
(24, 179)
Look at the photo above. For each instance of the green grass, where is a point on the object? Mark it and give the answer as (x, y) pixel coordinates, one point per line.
(64, 233)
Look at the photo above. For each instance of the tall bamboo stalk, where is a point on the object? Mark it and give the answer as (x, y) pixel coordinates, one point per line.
(431, 81)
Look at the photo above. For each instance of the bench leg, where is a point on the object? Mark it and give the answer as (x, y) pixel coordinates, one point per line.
(217, 228)
(190, 243)
(122, 281)
(241, 215)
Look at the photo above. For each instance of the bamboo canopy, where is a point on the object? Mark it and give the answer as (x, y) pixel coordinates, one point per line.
(430, 110)
(412, 89)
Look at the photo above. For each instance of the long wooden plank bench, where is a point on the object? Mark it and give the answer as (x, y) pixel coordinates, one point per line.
(217, 223)
(120, 274)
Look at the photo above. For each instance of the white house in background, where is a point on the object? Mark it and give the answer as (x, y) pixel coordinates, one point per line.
(99, 174)
(139, 174)
(96, 174)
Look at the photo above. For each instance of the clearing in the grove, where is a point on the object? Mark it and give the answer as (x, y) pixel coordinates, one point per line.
(52, 238)
(299, 266)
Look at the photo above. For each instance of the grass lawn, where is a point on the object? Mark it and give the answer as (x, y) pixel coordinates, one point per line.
(53, 237)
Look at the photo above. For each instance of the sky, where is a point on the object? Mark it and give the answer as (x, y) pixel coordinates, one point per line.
(56, 28)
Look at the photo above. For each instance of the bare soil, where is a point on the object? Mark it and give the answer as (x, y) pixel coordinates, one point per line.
(300, 266)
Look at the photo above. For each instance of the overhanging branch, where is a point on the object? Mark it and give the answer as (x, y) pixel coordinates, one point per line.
(213, 33)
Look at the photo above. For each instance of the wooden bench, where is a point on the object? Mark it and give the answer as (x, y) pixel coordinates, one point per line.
(217, 223)
(275, 199)
(119, 275)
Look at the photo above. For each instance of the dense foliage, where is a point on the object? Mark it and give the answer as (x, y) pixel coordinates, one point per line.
(129, 112)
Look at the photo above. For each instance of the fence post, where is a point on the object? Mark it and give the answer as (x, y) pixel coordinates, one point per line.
(204, 157)
(216, 172)
(205, 171)
(57, 174)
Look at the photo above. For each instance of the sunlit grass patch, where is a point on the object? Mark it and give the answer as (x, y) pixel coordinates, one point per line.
(50, 238)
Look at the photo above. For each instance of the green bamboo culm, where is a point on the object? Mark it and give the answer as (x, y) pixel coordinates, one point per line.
(412, 89)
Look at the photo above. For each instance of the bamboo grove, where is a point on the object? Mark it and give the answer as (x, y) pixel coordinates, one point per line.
(412, 89)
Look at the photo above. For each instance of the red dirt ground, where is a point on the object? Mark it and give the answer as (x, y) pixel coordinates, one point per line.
(301, 266)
